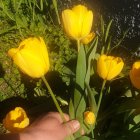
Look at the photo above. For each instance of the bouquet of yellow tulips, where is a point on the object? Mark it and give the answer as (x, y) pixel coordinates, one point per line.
(94, 101)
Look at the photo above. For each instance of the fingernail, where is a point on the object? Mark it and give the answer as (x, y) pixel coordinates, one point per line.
(76, 124)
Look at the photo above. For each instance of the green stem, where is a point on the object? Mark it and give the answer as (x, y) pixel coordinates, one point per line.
(57, 105)
(92, 133)
(53, 97)
(78, 45)
(101, 95)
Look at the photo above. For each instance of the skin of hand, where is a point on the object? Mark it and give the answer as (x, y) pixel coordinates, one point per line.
(50, 127)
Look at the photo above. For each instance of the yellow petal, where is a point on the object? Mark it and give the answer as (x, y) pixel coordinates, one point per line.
(135, 74)
(101, 67)
(12, 52)
(44, 53)
(88, 38)
(89, 117)
(80, 12)
(30, 64)
(70, 23)
(115, 70)
(24, 123)
(79, 9)
(87, 24)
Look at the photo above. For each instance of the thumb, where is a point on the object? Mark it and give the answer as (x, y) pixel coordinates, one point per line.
(71, 127)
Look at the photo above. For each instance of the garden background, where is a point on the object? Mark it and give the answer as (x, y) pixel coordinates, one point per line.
(25, 18)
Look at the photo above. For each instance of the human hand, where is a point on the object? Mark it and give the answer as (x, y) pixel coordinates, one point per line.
(50, 127)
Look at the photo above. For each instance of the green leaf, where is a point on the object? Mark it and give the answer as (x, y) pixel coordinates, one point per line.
(80, 77)
(84, 138)
(137, 118)
(134, 127)
(91, 55)
(108, 46)
(79, 92)
(5, 10)
(102, 26)
(71, 137)
(80, 109)
(91, 98)
(62, 101)
(128, 115)
(56, 10)
(17, 5)
(41, 5)
(120, 41)
(7, 30)
(21, 21)
(126, 105)
(71, 110)
(133, 136)
(107, 30)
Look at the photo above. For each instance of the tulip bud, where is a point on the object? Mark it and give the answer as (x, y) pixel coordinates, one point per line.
(88, 38)
(16, 120)
(135, 74)
(89, 117)
(109, 67)
(31, 57)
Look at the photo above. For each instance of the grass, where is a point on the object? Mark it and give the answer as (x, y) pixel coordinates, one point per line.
(20, 20)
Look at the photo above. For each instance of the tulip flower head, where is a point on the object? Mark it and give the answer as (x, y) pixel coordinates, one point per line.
(89, 117)
(16, 120)
(109, 67)
(77, 22)
(31, 57)
(135, 75)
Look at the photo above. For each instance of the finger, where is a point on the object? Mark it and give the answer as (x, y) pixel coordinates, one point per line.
(57, 116)
(70, 127)
(82, 132)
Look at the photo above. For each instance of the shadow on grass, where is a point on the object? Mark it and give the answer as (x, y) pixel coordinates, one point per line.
(1, 71)
(35, 106)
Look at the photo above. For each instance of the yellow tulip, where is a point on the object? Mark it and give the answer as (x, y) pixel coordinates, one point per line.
(77, 22)
(16, 120)
(135, 74)
(89, 117)
(88, 38)
(109, 67)
(31, 57)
